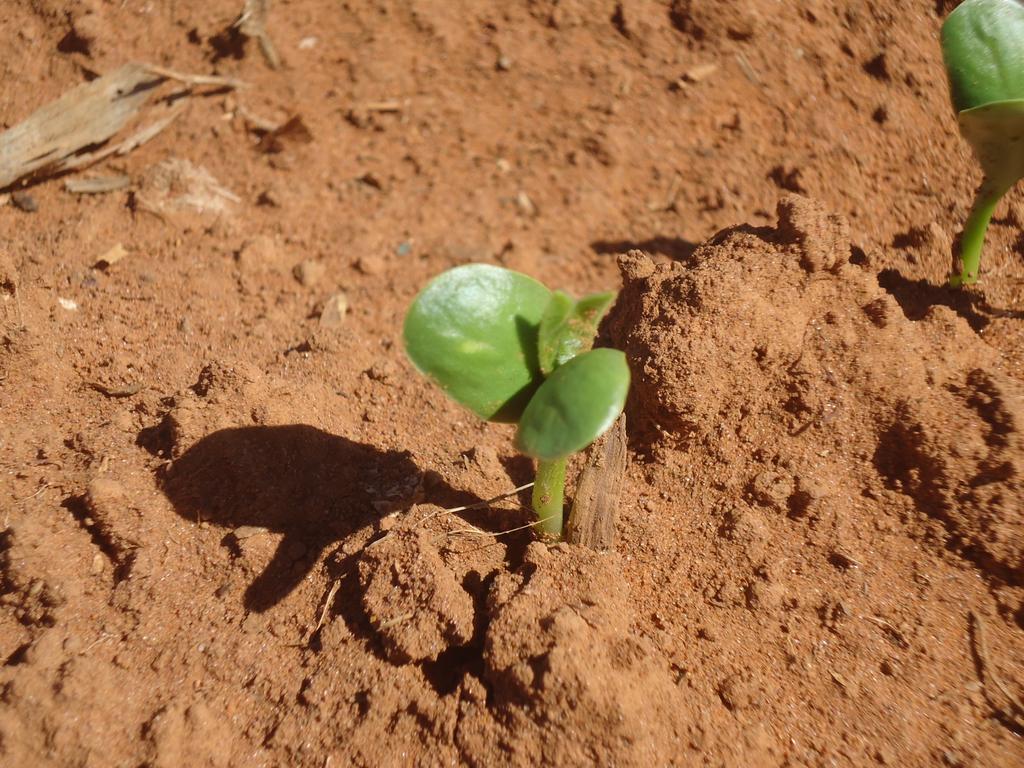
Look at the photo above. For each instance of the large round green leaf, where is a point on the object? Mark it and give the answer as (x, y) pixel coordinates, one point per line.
(473, 330)
(983, 47)
(575, 406)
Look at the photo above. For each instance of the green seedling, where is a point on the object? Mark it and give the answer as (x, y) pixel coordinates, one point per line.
(983, 47)
(504, 346)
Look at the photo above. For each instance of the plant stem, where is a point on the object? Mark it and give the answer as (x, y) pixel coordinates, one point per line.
(973, 237)
(548, 495)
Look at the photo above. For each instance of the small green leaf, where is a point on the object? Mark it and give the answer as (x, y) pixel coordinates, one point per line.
(983, 47)
(473, 330)
(575, 406)
(568, 327)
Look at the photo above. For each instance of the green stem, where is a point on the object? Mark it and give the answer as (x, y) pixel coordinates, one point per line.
(548, 495)
(973, 237)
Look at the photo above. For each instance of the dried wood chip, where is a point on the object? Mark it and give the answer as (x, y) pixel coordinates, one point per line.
(700, 72)
(111, 257)
(253, 23)
(84, 116)
(595, 509)
(56, 136)
(97, 185)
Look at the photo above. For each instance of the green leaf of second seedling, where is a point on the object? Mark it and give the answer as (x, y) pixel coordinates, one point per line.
(575, 405)
(473, 330)
(568, 327)
(983, 47)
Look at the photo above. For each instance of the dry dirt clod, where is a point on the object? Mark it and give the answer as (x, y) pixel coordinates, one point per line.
(309, 272)
(560, 657)
(412, 599)
(370, 264)
(823, 238)
(739, 692)
(107, 504)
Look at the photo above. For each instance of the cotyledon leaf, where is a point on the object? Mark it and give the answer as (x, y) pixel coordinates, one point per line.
(983, 47)
(577, 403)
(473, 330)
(568, 327)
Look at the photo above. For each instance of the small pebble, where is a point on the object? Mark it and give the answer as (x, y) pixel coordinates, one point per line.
(245, 531)
(333, 314)
(23, 201)
(525, 204)
(700, 72)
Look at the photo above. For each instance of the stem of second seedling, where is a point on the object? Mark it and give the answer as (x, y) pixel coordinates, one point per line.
(973, 238)
(548, 496)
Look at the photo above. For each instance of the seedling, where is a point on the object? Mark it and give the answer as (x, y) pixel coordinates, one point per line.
(983, 47)
(503, 345)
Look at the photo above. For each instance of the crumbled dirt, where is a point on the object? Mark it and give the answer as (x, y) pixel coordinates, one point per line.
(223, 536)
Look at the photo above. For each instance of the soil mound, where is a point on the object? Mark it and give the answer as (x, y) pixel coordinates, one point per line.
(784, 370)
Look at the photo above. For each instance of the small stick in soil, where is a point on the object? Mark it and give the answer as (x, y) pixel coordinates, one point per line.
(253, 23)
(395, 620)
(256, 121)
(987, 669)
(335, 586)
(383, 106)
(482, 504)
(97, 185)
(41, 488)
(890, 629)
(469, 507)
(181, 77)
(480, 532)
(103, 389)
(747, 69)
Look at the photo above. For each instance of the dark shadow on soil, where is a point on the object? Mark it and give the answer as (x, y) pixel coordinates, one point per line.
(674, 248)
(314, 487)
(916, 297)
(229, 43)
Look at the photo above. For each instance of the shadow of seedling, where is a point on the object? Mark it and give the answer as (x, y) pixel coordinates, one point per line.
(916, 297)
(313, 487)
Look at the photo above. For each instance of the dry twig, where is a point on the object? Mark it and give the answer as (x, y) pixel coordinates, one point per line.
(335, 586)
(987, 669)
